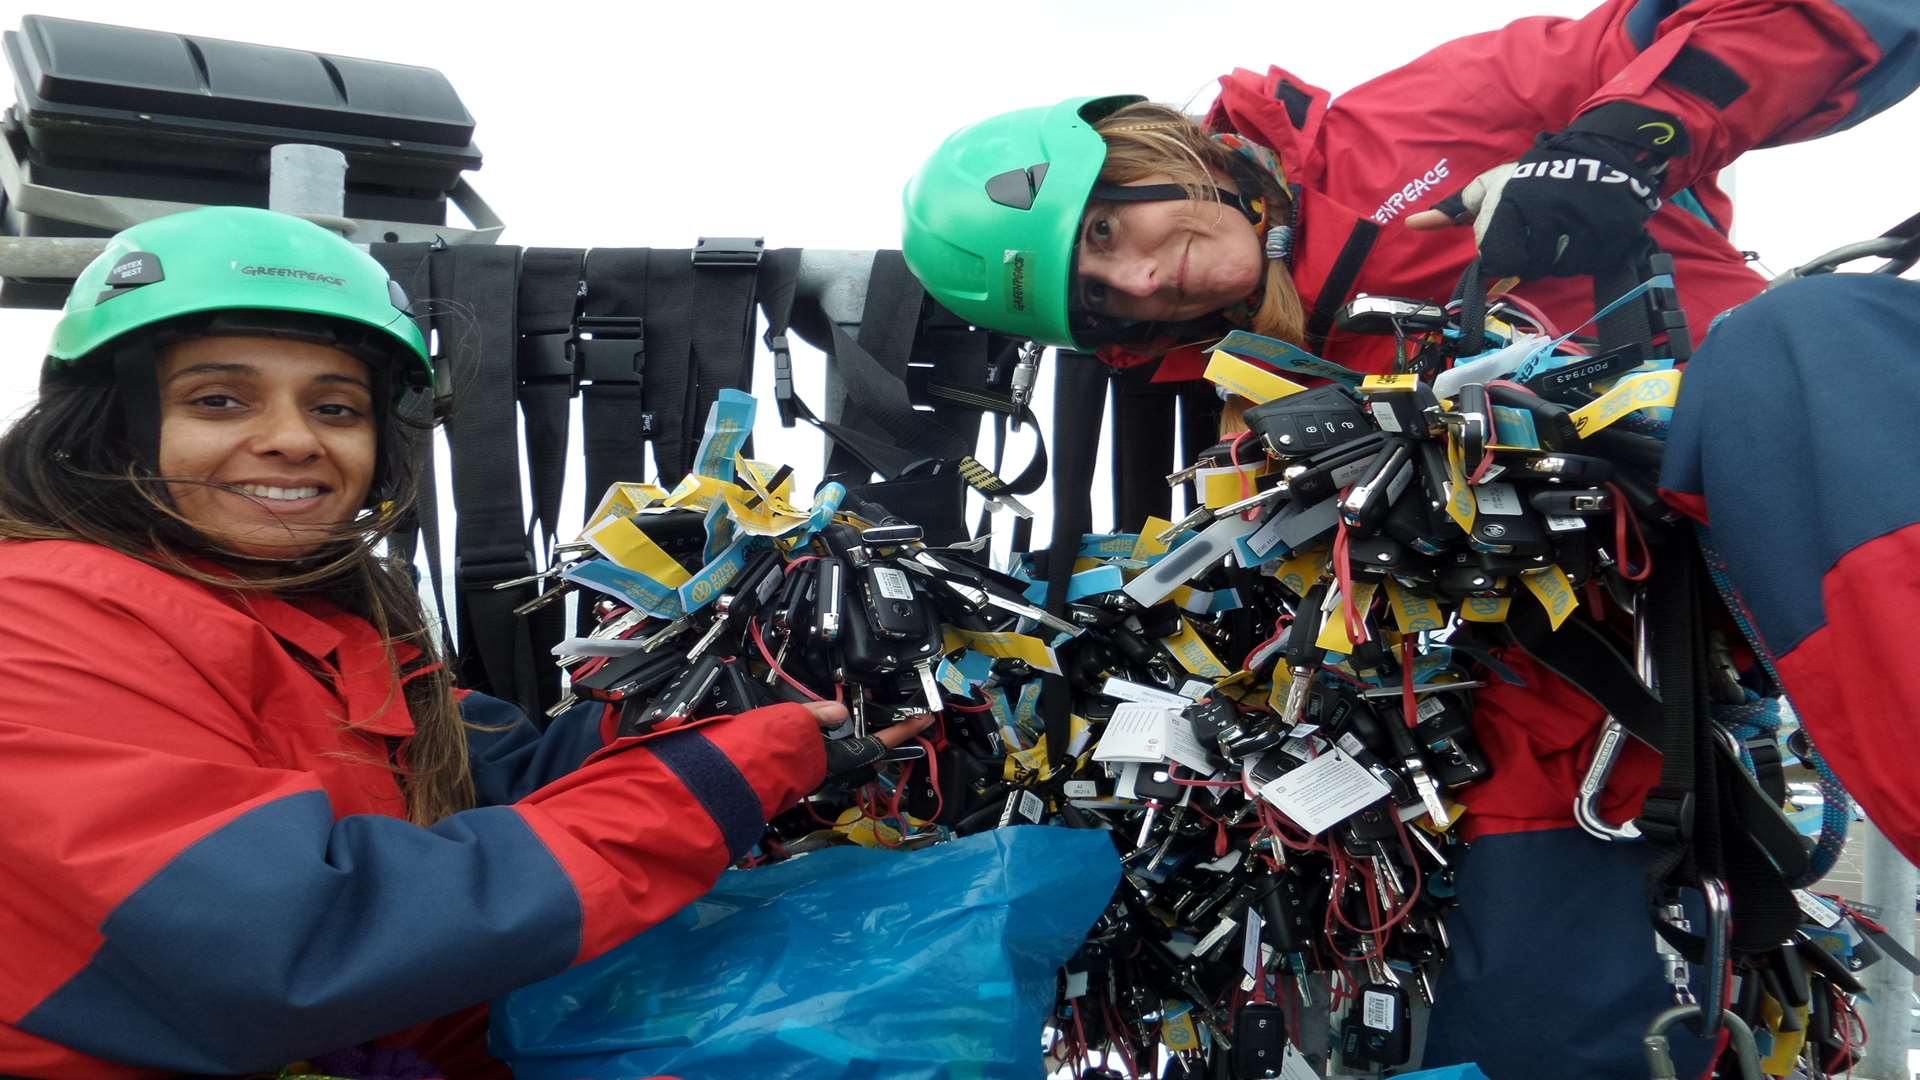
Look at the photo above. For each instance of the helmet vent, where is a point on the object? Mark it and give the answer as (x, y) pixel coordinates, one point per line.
(1016, 187)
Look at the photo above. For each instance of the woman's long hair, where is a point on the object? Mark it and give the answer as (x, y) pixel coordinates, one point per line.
(1147, 139)
(69, 471)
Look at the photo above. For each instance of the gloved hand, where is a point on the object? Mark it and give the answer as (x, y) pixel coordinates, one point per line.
(859, 751)
(1577, 203)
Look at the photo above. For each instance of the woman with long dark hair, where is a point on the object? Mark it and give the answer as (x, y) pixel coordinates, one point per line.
(249, 817)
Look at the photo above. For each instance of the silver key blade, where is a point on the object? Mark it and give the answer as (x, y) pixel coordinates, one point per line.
(707, 639)
(1429, 792)
(665, 634)
(930, 686)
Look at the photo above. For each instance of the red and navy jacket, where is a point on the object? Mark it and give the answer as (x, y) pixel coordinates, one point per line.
(206, 868)
(1739, 74)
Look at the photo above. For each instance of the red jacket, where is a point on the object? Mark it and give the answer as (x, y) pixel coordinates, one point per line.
(1738, 73)
(205, 867)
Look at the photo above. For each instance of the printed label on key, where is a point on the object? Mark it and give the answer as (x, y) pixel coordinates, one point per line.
(1499, 500)
(1377, 1010)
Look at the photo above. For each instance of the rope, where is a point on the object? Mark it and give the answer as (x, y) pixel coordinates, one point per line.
(1763, 716)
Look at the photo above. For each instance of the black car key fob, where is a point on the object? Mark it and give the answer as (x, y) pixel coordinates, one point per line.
(1303, 423)
(1259, 1039)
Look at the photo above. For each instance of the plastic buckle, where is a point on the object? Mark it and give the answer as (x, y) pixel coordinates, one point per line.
(1667, 816)
(546, 358)
(783, 397)
(725, 251)
(610, 348)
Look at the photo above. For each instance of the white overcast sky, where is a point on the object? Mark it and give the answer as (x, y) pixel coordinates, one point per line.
(648, 124)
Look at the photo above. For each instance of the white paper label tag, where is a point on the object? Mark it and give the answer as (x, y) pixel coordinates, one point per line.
(1376, 1010)
(892, 583)
(1383, 415)
(1032, 807)
(1302, 730)
(1184, 748)
(1492, 472)
(1351, 744)
(1076, 984)
(1250, 946)
(1500, 500)
(1430, 707)
(1565, 523)
(1126, 690)
(1816, 909)
(1294, 1066)
(1136, 733)
(1080, 789)
(1324, 792)
(1195, 689)
(1123, 787)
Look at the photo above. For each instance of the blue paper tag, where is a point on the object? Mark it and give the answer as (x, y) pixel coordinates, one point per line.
(1287, 357)
(729, 422)
(642, 592)
(713, 578)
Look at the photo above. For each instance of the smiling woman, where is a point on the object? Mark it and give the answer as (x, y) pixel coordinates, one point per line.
(268, 445)
(267, 827)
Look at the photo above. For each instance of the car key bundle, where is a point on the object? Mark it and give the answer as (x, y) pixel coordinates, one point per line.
(1269, 707)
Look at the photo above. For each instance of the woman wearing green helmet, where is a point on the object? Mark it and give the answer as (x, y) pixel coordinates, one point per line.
(253, 821)
(1130, 229)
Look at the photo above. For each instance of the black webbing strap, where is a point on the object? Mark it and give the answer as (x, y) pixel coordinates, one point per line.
(778, 289)
(722, 340)
(480, 282)
(879, 403)
(549, 292)
(1339, 282)
(1699, 820)
(1471, 292)
(1078, 378)
(671, 382)
(611, 364)
(410, 265)
(1142, 436)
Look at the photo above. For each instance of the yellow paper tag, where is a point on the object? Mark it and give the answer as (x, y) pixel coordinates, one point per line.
(865, 831)
(1176, 1027)
(1374, 384)
(1554, 591)
(1277, 691)
(1413, 612)
(1193, 654)
(1461, 506)
(1149, 543)
(623, 498)
(622, 541)
(1254, 383)
(1302, 571)
(1786, 1044)
(1485, 609)
(1333, 633)
(1648, 390)
(1228, 484)
(1016, 646)
(1455, 812)
(700, 491)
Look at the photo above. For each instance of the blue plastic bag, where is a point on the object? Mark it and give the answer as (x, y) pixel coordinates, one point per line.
(844, 963)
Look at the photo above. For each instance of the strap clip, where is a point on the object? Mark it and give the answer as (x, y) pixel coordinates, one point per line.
(546, 358)
(725, 251)
(609, 348)
(783, 397)
(1667, 816)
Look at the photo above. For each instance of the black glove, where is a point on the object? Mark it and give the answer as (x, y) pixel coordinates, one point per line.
(1577, 203)
(854, 752)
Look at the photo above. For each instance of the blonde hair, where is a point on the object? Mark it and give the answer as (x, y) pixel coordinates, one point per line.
(1146, 139)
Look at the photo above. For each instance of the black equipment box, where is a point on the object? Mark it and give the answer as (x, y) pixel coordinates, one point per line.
(115, 111)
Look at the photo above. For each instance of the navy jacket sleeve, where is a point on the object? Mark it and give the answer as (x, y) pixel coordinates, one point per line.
(511, 758)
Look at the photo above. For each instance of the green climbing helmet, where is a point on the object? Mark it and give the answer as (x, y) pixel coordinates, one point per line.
(237, 258)
(992, 219)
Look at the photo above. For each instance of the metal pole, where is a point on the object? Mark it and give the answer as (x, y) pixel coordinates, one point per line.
(1889, 888)
(307, 180)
